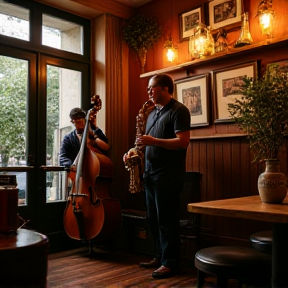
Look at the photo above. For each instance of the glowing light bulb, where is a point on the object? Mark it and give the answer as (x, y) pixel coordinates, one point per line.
(266, 17)
(170, 54)
(266, 20)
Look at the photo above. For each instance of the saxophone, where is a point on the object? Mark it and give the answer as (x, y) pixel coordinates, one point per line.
(135, 161)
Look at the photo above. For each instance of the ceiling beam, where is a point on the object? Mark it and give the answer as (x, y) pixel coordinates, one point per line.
(108, 6)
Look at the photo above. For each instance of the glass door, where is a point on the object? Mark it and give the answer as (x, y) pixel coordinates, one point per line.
(37, 92)
(62, 85)
(33, 123)
(18, 127)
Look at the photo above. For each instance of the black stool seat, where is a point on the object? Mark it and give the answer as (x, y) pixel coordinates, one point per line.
(233, 262)
(262, 241)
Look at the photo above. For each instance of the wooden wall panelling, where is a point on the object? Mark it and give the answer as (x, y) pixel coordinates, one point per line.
(236, 178)
(202, 155)
(227, 174)
(210, 177)
(245, 167)
(111, 83)
(218, 170)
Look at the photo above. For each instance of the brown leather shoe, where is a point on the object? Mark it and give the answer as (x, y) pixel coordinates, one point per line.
(152, 264)
(163, 272)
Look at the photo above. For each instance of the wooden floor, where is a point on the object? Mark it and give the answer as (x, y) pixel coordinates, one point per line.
(79, 269)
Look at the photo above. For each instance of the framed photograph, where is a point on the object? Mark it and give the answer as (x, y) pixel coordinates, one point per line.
(188, 22)
(194, 92)
(224, 81)
(225, 13)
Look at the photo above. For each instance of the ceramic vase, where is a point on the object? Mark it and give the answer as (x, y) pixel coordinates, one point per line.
(272, 184)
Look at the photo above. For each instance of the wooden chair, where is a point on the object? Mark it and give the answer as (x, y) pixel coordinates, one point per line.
(138, 238)
(189, 222)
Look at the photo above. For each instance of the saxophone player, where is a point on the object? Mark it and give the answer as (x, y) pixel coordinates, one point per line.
(165, 142)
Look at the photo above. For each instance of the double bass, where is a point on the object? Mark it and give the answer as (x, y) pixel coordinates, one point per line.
(90, 213)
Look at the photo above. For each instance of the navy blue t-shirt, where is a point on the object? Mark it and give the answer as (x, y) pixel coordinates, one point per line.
(173, 118)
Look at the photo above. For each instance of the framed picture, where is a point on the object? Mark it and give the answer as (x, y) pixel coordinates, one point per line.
(280, 63)
(225, 13)
(188, 22)
(193, 92)
(224, 81)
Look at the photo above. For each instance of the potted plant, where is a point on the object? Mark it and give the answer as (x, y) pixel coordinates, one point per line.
(262, 112)
(140, 33)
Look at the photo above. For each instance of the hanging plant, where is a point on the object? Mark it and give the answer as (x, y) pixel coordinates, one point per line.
(141, 32)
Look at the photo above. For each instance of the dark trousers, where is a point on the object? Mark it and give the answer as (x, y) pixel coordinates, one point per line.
(163, 205)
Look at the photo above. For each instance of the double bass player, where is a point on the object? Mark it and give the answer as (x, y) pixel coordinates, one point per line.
(71, 143)
(91, 214)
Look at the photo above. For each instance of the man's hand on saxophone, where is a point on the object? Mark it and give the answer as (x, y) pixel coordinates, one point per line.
(129, 154)
(145, 140)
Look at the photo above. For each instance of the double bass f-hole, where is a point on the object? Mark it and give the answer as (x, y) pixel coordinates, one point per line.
(91, 197)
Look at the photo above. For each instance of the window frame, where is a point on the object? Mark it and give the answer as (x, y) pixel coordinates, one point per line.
(35, 44)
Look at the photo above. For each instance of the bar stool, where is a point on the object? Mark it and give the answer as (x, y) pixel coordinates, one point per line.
(262, 241)
(244, 264)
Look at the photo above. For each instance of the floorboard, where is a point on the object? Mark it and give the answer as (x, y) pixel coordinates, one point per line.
(113, 269)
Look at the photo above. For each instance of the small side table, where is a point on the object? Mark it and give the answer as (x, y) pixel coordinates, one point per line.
(23, 259)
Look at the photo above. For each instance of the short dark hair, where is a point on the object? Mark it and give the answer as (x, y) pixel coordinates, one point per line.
(77, 113)
(165, 80)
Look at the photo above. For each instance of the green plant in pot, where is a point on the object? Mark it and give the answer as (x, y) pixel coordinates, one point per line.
(140, 33)
(262, 112)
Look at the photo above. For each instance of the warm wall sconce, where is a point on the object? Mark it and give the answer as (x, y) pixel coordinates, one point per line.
(201, 44)
(171, 51)
(266, 17)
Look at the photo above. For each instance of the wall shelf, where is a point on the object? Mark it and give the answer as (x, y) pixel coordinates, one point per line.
(234, 51)
(215, 136)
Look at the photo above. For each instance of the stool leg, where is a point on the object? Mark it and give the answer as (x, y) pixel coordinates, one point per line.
(200, 279)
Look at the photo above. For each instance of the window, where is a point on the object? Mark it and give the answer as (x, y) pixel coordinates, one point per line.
(63, 94)
(34, 119)
(14, 21)
(13, 110)
(62, 34)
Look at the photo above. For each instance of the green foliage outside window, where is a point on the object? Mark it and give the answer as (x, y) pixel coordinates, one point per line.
(13, 100)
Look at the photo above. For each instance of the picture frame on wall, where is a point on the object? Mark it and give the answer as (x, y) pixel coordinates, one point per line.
(188, 22)
(224, 88)
(194, 92)
(280, 63)
(225, 13)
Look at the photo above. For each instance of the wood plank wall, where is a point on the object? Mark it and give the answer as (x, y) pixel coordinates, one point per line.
(227, 172)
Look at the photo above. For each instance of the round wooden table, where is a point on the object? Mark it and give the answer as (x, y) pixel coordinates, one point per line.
(23, 259)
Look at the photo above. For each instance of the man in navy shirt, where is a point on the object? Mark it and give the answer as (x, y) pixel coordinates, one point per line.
(166, 140)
